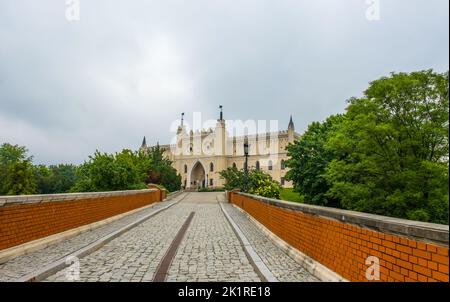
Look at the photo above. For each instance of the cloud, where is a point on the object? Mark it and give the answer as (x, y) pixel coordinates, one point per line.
(128, 69)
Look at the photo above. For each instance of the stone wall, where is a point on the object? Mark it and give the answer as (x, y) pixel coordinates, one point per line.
(30, 217)
(343, 240)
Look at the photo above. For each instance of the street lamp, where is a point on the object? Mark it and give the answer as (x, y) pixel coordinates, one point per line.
(246, 164)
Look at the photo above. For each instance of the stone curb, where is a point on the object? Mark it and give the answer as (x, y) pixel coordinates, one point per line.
(314, 267)
(260, 267)
(60, 264)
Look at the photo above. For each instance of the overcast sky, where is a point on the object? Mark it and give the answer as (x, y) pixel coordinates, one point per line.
(129, 68)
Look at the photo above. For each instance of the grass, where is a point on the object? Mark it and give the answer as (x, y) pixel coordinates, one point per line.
(289, 195)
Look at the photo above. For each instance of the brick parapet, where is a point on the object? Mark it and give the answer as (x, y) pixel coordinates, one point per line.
(343, 240)
(30, 217)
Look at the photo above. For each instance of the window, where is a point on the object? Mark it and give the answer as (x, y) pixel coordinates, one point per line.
(234, 165)
(211, 182)
(283, 165)
(257, 165)
(211, 167)
(270, 165)
(185, 168)
(282, 181)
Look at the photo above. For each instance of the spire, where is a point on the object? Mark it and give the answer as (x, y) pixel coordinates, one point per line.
(144, 143)
(221, 113)
(291, 124)
(182, 119)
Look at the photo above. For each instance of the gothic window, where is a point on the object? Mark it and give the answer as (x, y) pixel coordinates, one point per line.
(282, 181)
(283, 165)
(211, 182)
(211, 167)
(234, 165)
(257, 166)
(185, 168)
(270, 165)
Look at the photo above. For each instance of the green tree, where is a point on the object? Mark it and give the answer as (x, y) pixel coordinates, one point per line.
(110, 172)
(396, 143)
(308, 160)
(161, 171)
(234, 178)
(16, 171)
(43, 176)
(55, 178)
(259, 183)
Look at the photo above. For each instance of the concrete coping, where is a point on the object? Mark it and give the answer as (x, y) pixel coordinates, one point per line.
(422, 231)
(34, 199)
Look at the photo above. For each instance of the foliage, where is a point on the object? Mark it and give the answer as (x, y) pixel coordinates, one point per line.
(308, 160)
(55, 178)
(388, 154)
(161, 171)
(396, 138)
(16, 171)
(234, 178)
(259, 183)
(290, 195)
(111, 172)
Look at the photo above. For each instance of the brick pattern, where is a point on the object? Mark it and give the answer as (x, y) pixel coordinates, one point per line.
(26, 222)
(344, 248)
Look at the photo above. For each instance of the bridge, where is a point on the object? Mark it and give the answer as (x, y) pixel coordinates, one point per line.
(147, 235)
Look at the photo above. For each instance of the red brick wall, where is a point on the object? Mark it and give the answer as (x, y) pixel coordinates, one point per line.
(21, 223)
(344, 248)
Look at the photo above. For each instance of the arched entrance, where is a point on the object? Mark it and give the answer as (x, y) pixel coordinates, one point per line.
(198, 176)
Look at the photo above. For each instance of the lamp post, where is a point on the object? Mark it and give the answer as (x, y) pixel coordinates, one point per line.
(246, 164)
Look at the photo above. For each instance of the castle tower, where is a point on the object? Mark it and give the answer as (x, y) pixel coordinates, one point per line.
(143, 147)
(291, 130)
(220, 137)
(220, 140)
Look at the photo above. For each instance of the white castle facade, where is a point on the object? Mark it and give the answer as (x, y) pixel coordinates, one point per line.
(199, 156)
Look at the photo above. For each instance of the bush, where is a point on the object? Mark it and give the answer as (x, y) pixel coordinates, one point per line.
(259, 183)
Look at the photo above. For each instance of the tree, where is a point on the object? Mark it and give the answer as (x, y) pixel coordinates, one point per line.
(234, 178)
(110, 172)
(308, 160)
(396, 142)
(161, 171)
(55, 178)
(259, 183)
(16, 171)
(43, 176)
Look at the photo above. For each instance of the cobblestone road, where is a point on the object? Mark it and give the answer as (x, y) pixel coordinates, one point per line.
(209, 251)
(27, 263)
(283, 267)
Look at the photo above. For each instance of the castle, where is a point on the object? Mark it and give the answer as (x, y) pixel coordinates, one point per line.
(199, 156)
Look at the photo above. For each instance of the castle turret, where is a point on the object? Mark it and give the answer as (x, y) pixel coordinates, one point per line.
(220, 137)
(291, 130)
(143, 147)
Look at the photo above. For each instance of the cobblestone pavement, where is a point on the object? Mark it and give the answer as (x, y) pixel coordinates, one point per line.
(210, 250)
(27, 263)
(134, 256)
(283, 267)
